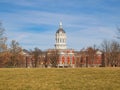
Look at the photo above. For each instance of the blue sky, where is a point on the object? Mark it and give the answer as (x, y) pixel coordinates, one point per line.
(33, 23)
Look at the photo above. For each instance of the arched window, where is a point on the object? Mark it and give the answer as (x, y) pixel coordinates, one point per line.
(68, 60)
(60, 40)
(63, 59)
(73, 60)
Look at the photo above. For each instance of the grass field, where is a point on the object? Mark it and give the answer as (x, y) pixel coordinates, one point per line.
(60, 79)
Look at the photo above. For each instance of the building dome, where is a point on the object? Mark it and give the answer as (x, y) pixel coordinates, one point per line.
(60, 30)
(99, 52)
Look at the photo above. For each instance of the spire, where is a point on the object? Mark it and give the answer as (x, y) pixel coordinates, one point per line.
(60, 24)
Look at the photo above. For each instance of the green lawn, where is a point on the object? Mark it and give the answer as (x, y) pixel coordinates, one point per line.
(60, 79)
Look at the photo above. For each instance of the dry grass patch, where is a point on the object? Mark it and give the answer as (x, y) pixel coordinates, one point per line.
(60, 79)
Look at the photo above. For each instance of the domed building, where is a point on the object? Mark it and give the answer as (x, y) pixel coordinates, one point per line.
(60, 38)
(66, 56)
(61, 56)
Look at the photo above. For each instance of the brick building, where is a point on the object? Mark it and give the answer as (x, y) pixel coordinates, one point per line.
(61, 56)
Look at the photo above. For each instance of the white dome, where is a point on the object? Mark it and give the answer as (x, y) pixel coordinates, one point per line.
(99, 52)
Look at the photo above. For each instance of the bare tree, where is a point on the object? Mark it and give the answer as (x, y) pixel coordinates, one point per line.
(118, 34)
(115, 52)
(111, 51)
(3, 46)
(105, 47)
(15, 51)
(90, 55)
(36, 54)
(52, 58)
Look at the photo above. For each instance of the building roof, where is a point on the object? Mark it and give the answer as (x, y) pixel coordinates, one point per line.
(60, 30)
